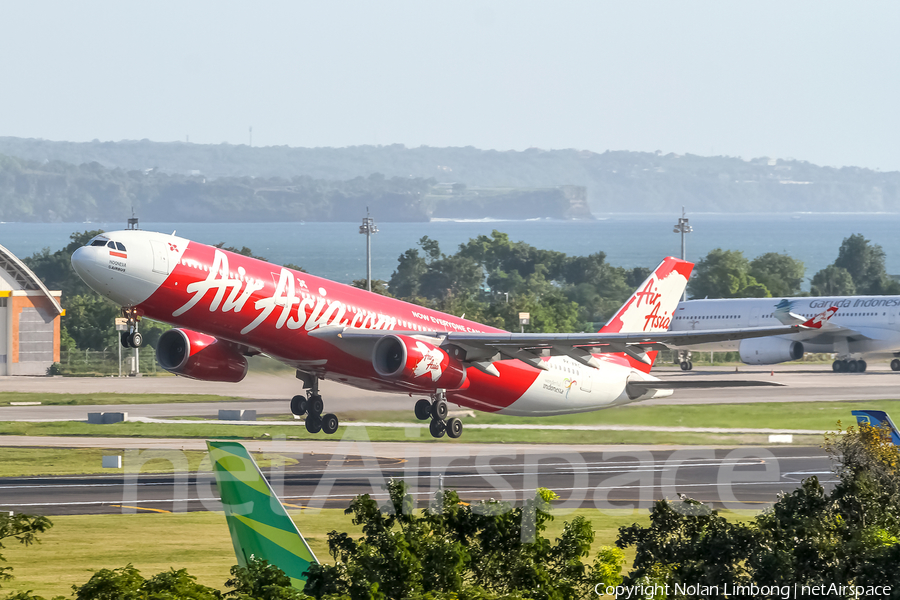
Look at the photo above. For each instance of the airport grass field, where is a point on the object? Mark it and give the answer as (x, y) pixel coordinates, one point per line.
(810, 416)
(77, 546)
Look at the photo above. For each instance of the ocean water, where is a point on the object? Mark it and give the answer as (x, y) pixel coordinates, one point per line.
(337, 251)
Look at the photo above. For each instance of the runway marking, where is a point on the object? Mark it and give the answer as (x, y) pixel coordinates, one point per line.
(158, 510)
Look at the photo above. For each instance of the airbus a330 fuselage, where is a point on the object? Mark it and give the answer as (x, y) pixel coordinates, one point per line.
(226, 306)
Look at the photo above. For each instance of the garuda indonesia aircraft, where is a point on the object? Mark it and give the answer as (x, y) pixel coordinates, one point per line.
(865, 327)
(226, 307)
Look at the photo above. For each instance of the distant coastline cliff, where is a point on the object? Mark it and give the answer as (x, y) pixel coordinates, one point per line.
(176, 181)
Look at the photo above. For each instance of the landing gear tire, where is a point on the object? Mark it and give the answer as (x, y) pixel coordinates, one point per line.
(315, 405)
(329, 423)
(298, 405)
(684, 365)
(838, 366)
(454, 428)
(125, 338)
(439, 409)
(853, 366)
(437, 428)
(861, 366)
(895, 365)
(423, 409)
(313, 423)
(136, 340)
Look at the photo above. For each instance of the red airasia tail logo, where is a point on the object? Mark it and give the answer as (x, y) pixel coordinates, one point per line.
(650, 296)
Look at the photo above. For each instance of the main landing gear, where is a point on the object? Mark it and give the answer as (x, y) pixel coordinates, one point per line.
(855, 366)
(312, 406)
(436, 409)
(684, 359)
(131, 337)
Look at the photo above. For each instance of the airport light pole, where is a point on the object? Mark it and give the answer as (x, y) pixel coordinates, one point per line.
(683, 227)
(368, 228)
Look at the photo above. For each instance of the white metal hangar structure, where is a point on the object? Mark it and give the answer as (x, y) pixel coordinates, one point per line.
(29, 320)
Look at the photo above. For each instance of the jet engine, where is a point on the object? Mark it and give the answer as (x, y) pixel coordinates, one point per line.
(769, 350)
(200, 356)
(417, 363)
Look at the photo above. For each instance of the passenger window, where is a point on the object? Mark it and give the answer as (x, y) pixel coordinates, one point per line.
(98, 243)
(120, 246)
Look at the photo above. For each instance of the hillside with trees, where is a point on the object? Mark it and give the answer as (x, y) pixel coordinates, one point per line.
(56, 191)
(615, 181)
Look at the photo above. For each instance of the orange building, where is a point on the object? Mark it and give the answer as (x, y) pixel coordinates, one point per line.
(29, 320)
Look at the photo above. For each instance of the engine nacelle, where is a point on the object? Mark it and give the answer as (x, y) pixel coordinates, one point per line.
(418, 363)
(200, 356)
(769, 350)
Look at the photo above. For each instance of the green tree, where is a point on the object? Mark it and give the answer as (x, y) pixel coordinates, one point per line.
(379, 286)
(864, 261)
(809, 537)
(260, 580)
(781, 274)
(22, 528)
(127, 583)
(832, 281)
(725, 274)
(487, 551)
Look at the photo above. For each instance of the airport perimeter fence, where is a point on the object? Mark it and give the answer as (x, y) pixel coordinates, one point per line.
(105, 363)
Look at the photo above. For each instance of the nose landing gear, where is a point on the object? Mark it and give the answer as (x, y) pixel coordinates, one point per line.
(131, 337)
(312, 406)
(436, 409)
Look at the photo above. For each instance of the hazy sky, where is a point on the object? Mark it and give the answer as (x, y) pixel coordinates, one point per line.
(810, 80)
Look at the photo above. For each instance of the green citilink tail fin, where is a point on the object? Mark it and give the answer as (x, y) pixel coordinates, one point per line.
(259, 525)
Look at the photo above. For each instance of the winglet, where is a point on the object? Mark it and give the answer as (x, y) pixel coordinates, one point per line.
(257, 520)
(820, 319)
(878, 418)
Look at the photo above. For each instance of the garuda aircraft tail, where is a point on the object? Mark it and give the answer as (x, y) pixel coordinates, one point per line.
(259, 525)
(878, 418)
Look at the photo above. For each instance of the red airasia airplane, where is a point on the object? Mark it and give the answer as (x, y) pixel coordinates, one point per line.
(226, 307)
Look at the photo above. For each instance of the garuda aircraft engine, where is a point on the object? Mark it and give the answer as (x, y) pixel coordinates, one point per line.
(420, 364)
(769, 351)
(200, 356)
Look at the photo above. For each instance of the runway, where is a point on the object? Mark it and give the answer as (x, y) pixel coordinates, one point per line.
(608, 478)
(268, 393)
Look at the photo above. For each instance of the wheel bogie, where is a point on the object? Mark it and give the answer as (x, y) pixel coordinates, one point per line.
(437, 428)
(439, 409)
(454, 428)
(329, 423)
(315, 405)
(423, 409)
(298, 405)
(313, 423)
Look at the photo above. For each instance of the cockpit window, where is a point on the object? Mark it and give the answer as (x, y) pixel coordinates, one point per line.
(98, 243)
(120, 246)
(111, 244)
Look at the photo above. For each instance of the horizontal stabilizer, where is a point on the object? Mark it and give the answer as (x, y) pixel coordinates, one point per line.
(700, 384)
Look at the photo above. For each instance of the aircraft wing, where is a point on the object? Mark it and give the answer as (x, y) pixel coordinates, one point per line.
(481, 349)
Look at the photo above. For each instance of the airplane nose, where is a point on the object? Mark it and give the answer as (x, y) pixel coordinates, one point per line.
(84, 261)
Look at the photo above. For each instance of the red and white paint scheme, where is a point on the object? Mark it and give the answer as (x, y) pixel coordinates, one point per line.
(226, 306)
